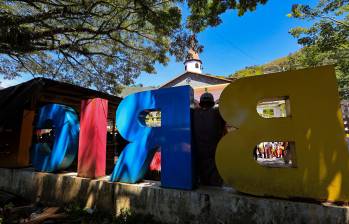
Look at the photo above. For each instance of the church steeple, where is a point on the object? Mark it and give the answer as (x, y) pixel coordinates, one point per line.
(193, 62)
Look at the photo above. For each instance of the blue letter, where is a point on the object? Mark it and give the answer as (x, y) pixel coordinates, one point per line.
(64, 123)
(173, 137)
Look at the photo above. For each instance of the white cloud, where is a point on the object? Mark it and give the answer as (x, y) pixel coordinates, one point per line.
(7, 83)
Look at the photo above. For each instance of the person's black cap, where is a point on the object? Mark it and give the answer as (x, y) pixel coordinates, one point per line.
(206, 100)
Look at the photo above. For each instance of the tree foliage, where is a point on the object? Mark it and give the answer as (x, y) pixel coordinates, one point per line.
(327, 40)
(101, 43)
(249, 71)
(206, 13)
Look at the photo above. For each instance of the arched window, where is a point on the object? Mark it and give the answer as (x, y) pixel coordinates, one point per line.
(196, 65)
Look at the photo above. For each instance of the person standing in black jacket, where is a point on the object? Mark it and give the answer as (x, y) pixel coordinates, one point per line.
(208, 128)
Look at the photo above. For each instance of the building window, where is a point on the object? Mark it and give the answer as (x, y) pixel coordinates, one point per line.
(186, 68)
(196, 65)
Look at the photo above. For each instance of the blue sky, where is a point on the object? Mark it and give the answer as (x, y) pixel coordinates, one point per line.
(255, 38)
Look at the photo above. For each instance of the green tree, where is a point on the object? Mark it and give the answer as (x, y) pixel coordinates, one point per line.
(104, 43)
(248, 71)
(326, 41)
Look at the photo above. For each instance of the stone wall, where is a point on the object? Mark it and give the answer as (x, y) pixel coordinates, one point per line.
(204, 205)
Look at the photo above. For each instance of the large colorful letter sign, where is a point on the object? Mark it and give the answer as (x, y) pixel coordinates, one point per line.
(65, 126)
(173, 137)
(93, 138)
(315, 126)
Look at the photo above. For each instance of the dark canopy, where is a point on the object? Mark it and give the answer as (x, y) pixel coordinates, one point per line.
(39, 91)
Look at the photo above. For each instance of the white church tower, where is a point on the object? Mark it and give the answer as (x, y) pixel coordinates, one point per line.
(193, 62)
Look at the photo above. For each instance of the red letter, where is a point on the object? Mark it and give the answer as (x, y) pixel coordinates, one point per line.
(93, 138)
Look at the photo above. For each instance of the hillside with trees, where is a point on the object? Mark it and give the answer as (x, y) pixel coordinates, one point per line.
(276, 65)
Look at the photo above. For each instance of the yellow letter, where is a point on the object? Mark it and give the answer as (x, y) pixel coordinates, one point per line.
(315, 125)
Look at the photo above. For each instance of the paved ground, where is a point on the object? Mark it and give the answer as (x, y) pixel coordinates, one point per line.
(273, 162)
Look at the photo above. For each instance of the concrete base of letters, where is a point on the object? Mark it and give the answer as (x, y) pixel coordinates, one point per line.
(204, 205)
